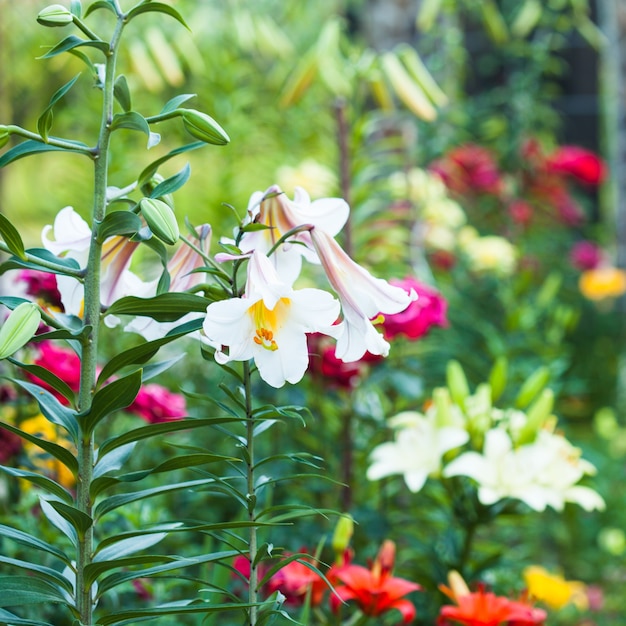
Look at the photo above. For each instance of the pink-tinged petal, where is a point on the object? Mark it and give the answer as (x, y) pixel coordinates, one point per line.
(185, 260)
(328, 214)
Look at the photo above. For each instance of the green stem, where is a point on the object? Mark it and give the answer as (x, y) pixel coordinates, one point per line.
(48, 265)
(250, 490)
(91, 318)
(52, 141)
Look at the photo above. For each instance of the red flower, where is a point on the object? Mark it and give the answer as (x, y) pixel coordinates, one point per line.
(417, 319)
(294, 580)
(468, 170)
(581, 164)
(374, 590)
(157, 404)
(585, 255)
(43, 286)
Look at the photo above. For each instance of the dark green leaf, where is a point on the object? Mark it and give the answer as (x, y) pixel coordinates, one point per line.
(54, 449)
(48, 377)
(158, 7)
(25, 539)
(131, 121)
(52, 409)
(30, 146)
(41, 481)
(172, 184)
(76, 8)
(110, 504)
(86, 60)
(22, 590)
(7, 618)
(46, 573)
(71, 42)
(249, 228)
(79, 520)
(44, 123)
(101, 4)
(151, 170)
(166, 307)
(93, 571)
(115, 396)
(57, 520)
(44, 254)
(175, 102)
(133, 616)
(122, 93)
(12, 237)
(118, 223)
(128, 546)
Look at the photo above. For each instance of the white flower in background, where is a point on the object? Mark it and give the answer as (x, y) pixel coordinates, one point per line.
(269, 323)
(72, 237)
(272, 208)
(362, 298)
(491, 254)
(318, 179)
(541, 474)
(182, 278)
(417, 450)
(444, 213)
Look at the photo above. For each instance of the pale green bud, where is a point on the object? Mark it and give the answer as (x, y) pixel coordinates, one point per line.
(457, 383)
(204, 127)
(19, 328)
(497, 377)
(532, 386)
(160, 219)
(4, 136)
(342, 535)
(441, 400)
(55, 15)
(537, 416)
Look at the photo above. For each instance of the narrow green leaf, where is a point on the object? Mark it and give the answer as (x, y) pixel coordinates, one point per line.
(131, 121)
(22, 590)
(58, 521)
(35, 543)
(166, 307)
(7, 618)
(115, 396)
(44, 123)
(114, 460)
(172, 184)
(11, 237)
(54, 449)
(128, 546)
(151, 170)
(44, 482)
(94, 570)
(156, 7)
(44, 254)
(110, 504)
(71, 42)
(118, 223)
(175, 102)
(78, 519)
(30, 146)
(76, 8)
(122, 93)
(109, 5)
(46, 573)
(52, 409)
(48, 377)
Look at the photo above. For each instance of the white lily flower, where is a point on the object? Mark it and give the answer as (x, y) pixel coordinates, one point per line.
(72, 237)
(269, 323)
(272, 208)
(182, 278)
(362, 298)
(417, 450)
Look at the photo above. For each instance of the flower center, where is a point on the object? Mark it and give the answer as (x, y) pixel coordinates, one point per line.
(265, 339)
(267, 322)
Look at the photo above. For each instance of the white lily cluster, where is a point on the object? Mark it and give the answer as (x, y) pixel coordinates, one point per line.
(509, 455)
(270, 321)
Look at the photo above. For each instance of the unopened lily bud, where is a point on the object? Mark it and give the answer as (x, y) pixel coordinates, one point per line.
(19, 328)
(532, 386)
(457, 383)
(443, 414)
(55, 15)
(538, 414)
(4, 136)
(458, 586)
(160, 219)
(386, 556)
(148, 188)
(342, 535)
(527, 18)
(420, 73)
(497, 377)
(204, 127)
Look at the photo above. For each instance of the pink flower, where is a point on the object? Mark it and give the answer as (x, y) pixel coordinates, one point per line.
(63, 362)
(521, 212)
(155, 404)
(416, 320)
(585, 255)
(583, 165)
(43, 286)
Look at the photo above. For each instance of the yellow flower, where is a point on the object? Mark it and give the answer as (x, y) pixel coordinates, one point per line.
(602, 282)
(42, 461)
(491, 254)
(553, 589)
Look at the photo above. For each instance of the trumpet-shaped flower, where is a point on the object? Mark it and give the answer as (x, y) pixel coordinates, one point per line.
(362, 296)
(72, 238)
(375, 590)
(553, 589)
(273, 209)
(269, 323)
(417, 450)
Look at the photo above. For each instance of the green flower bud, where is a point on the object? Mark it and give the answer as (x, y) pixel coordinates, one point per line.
(457, 383)
(19, 328)
(442, 402)
(497, 377)
(538, 414)
(204, 127)
(149, 187)
(342, 535)
(4, 136)
(55, 15)
(532, 386)
(161, 220)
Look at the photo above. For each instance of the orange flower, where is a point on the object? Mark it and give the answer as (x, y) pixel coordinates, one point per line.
(602, 282)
